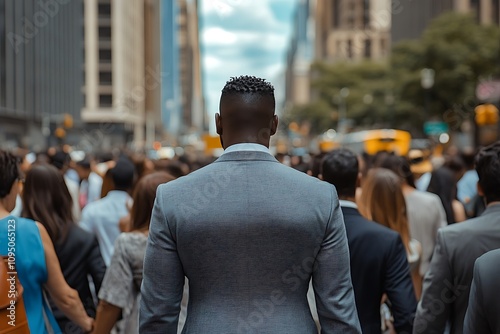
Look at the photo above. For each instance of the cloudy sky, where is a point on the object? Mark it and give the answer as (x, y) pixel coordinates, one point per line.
(243, 37)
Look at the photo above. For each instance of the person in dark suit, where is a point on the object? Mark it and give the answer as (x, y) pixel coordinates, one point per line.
(447, 283)
(47, 199)
(249, 233)
(484, 305)
(378, 258)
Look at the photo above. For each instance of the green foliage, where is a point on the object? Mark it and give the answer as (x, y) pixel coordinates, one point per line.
(460, 51)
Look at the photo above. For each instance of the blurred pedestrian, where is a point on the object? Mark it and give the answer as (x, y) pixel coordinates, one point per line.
(120, 292)
(102, 216)
(382, 201)
(90, 182)
(377, 255)
(35, 260)
(424, 210)
(484, 305)
(61, 160)
(447, 283)
(444, 184)
(46, 199)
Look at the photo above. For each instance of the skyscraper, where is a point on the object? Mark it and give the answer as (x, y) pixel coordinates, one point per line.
(115, 90)
(352, 29)
(41, 54)
(411, 18)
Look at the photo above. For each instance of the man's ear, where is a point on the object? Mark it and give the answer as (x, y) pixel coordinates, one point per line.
(320, 176)
(218, 124)
(274, 125)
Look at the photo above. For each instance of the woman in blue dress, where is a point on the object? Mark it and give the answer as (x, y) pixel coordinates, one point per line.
(35, 259)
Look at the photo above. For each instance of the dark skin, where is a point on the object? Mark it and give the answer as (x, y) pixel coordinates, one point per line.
(246, 118)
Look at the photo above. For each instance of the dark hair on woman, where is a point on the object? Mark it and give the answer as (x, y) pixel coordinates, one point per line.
(47, 200)
(9, 172)
(144, 198)
(444, 185)
(488, 170)
(400, 166)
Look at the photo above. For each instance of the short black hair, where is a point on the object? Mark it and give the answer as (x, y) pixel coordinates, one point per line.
(488, 170)
(247, 84)
(9, 172)
(123, 174)
(340, 167)
(60, 159)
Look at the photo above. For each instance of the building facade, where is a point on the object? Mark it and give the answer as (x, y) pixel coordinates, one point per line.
(352, 30)
(183, 109)
(41, 52)
(410, 18)
(114, 86)
(193, 113)
(300, 55)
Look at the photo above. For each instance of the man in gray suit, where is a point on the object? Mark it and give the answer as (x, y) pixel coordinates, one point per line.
(447, 283)
(484, 306)
(248, 233)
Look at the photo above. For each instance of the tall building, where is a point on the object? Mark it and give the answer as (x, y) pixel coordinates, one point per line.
(352, 29)
(114, 66)
(40, 69)
(193, 113)
(153, 75)
(300, 55)
(411, 18)
(182, 98)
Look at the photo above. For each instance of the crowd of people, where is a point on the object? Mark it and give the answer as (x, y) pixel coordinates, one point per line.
(104, 244)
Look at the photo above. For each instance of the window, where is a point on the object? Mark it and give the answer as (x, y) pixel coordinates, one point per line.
(105, 78)
(335, 13)
(366, 14)
(383, 46)
(349, 49)
(106, 100)
(104, 10)
(105, 56)
(104, 33)
(368, 48)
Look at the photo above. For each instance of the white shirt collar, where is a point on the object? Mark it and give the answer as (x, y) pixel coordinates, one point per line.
(247, 147)
(348, 204)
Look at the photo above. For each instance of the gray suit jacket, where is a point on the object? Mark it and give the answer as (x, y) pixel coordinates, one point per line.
(484, 306)
(447, 283)
(249, 233)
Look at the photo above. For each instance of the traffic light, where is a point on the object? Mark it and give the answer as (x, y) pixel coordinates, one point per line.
(486, 114)
(68, 121)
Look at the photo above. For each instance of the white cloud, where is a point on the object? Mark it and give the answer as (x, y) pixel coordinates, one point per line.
(218, 36)
(242, 37)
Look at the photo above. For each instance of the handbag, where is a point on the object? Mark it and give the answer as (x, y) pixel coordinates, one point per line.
(11, 301)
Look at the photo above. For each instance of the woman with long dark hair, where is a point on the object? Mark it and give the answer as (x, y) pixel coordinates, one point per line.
(46, 199)
(444, 184)
(120, 290)
(36, 261)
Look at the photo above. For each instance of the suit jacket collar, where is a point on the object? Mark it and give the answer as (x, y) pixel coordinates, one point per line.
(350, 211)
(492, 209)
(246, 156)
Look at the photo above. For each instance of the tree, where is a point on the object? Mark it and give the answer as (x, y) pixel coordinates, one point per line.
(460, 51)
(389, 94)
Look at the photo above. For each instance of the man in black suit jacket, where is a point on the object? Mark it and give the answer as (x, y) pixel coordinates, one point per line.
(484, 305)
(378, 258)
